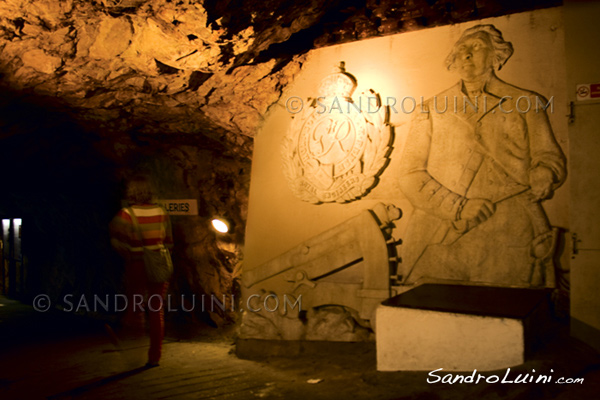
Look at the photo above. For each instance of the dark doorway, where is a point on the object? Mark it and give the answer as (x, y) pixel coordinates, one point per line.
(13, 268)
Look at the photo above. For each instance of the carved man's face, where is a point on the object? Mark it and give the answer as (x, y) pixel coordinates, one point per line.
(474, 56)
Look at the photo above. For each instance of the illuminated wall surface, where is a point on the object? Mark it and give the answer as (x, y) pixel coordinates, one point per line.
(403, 69)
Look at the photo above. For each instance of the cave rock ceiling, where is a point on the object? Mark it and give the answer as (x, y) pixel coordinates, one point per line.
(185, 68)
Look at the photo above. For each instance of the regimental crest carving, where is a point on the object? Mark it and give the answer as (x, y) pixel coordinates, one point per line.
(337, 147)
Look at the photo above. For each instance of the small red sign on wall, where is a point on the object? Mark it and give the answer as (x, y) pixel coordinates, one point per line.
(588, 91)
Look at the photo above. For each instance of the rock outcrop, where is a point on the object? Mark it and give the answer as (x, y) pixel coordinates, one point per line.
(155, 67)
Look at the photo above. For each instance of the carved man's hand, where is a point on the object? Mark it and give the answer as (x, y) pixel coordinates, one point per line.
(476, 211)
(540, 180)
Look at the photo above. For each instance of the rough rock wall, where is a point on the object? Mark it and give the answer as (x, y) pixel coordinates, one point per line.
(193, 67)
(153, 67)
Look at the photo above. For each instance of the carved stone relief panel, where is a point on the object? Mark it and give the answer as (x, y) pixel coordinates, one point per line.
(337, 146)
(477, 164)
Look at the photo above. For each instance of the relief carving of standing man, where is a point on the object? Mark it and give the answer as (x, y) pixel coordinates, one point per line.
(476, 167)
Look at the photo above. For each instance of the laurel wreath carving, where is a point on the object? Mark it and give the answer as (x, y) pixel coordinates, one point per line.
(368, 167)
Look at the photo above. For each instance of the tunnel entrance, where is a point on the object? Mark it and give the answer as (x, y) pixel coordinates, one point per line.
(12, 261)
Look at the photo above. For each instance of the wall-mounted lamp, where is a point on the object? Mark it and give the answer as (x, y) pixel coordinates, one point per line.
(220, 225)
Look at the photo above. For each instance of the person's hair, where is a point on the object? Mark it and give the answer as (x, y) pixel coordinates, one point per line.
(139, 190)
(502, 49)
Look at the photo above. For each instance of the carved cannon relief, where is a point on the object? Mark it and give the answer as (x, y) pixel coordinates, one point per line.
(349, 265)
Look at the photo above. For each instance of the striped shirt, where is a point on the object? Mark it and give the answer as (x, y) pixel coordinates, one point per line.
(155, 227)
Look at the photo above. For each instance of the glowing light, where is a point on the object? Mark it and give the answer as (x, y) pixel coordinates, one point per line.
(220, 225)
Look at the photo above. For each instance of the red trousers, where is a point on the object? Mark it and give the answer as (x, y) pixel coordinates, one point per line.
(142, 297)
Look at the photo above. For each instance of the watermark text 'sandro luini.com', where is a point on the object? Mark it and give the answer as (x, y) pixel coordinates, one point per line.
(171, 303)
(409, 105)
(436, 376)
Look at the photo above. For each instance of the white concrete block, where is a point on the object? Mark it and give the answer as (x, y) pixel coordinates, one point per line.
(424, 332)
(423, 340)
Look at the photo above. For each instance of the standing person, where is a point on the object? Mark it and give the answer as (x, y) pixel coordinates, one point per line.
(155, 228)
(477, 164)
